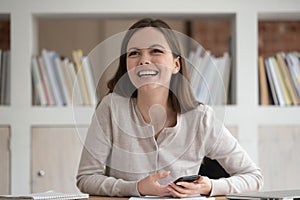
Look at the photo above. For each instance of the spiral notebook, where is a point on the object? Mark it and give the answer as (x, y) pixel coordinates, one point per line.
(47, 195)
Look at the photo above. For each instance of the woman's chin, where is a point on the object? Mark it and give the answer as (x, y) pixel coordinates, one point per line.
(148, 87)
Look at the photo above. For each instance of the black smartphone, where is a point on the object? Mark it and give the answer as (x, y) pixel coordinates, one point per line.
(190, 178)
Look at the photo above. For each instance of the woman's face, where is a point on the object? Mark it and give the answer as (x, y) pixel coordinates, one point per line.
(150, 62)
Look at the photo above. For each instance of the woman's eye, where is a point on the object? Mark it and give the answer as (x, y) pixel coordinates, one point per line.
(133, 53)
(157, 51)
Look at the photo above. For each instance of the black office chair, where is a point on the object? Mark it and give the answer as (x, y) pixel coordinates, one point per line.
(212, 169)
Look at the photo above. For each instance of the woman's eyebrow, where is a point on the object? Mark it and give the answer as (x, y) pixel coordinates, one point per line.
(133, 48)
(157, 45)
(150, 47)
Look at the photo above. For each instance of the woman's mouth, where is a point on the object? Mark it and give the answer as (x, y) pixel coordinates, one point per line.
(145, 73)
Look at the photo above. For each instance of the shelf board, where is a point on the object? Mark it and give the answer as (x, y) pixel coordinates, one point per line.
(62, 115)
(46, 115)
(275, 115)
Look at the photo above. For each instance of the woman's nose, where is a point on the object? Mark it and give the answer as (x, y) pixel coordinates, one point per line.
(145, 59)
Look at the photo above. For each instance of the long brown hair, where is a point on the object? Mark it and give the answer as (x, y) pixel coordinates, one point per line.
(180, 93)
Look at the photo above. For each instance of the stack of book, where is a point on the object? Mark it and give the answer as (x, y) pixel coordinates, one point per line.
(279, 79)
(4, 77)
(61, 81)
(209, 76)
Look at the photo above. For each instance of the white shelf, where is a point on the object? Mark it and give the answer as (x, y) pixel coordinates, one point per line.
(246, 114)
(272, 115)
(47, 116)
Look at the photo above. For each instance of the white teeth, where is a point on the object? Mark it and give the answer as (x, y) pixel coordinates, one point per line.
(147, 73)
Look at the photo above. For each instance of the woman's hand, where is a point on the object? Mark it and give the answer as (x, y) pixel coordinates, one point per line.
(150, 185)
(184, 189)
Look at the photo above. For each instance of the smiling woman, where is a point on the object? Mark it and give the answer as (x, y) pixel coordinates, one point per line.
(149, 130)
(161, 50)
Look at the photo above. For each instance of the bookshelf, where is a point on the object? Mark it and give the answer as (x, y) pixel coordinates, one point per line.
(252, 122)
(278, 47)
(278, 138)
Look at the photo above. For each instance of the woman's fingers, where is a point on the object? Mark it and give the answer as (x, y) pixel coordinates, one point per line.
(182, 188)
(176, 193)
(150, 185)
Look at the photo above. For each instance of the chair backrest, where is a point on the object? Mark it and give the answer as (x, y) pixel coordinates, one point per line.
(212, 169)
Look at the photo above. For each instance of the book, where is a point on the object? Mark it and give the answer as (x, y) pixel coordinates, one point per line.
(47, 195)
(77, 97)
(89, 80)
(194, 60)
(282, 84)
(287, 78)
(53, 76)
(77, 57)
(45, 80)
(223, 76)
(263, 85)
(213, 75)
(293, 63)
(276, 81)
(37, 83)
(61, 79)
(201, 72)
(68, 78)
(271, 82)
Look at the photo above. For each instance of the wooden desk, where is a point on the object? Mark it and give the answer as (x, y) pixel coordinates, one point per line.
(123, 198)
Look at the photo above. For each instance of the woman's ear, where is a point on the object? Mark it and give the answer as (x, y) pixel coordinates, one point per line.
(177, 65)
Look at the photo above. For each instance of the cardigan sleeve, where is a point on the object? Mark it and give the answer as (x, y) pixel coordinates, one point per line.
(91, 177)
(245, 175)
